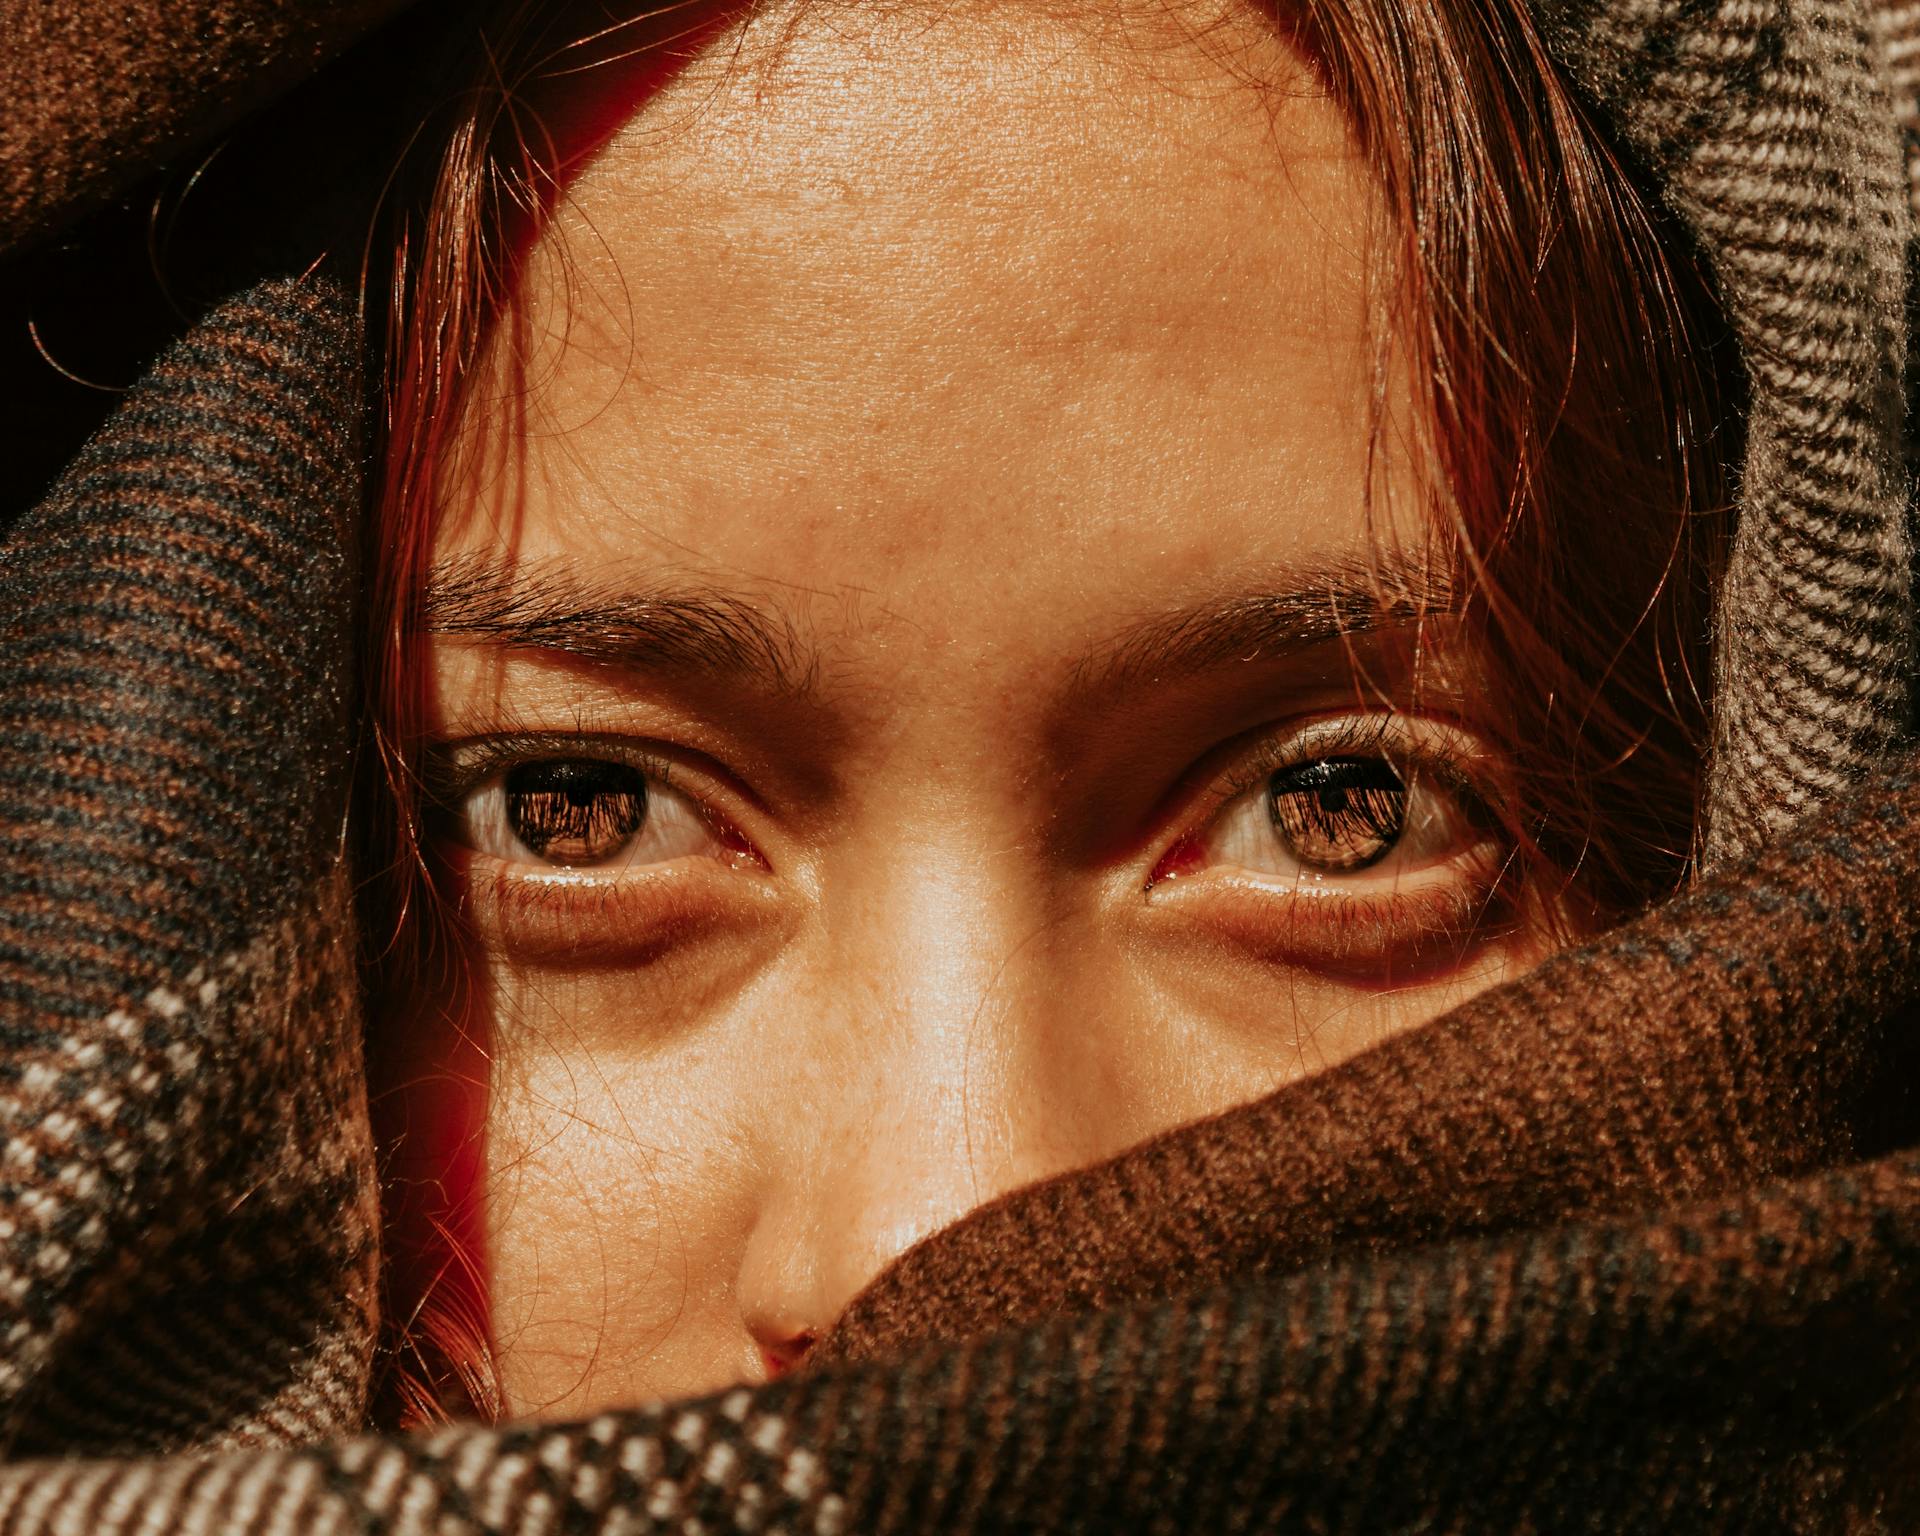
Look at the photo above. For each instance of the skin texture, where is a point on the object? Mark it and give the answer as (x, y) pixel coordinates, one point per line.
(943, 369)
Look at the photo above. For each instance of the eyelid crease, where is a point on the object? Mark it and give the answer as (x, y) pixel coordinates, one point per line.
(1206, 796)
(458, 770)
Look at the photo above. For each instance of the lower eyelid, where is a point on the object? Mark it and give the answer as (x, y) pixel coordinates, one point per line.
(627, 917)
(1401, 932)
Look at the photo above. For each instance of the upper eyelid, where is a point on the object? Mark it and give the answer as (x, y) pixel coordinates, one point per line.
(454, 769)
(1349, 736)
(457, 769)
(485, 759)
(1346, 736)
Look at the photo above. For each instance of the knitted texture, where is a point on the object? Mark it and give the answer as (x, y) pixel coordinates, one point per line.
(1632, 1243)
(186, 1222)
(1425, 1394)
(93, 95)
(1898, 23)
(1769, 128)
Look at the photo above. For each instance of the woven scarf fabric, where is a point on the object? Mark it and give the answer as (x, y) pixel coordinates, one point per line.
(92, 93)
(1768, 128)
(1630, 1244)
(186, 1229)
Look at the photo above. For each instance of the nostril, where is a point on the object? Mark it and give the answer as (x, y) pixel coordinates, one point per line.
(781, 1355)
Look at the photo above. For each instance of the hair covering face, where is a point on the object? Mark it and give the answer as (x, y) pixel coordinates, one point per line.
(1633, 1242)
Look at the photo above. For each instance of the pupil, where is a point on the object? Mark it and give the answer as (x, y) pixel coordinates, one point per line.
(1338, 813)
(575, 812)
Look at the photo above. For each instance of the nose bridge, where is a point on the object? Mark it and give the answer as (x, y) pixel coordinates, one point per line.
(926, 1141)
(919, 1108)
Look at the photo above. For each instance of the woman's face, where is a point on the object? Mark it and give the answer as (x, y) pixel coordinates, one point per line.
(924, 666)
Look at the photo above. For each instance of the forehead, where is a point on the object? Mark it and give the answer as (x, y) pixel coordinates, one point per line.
(981, 316)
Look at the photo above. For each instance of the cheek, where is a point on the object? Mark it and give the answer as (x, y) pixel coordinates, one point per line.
(726, 1142)
(1250, 1028)
(618, 1202)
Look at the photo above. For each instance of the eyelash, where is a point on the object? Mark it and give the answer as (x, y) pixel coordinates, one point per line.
(457, 772)
(1381, 735)
(616, 913)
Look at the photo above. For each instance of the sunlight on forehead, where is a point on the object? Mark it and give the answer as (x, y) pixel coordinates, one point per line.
(855, 306)
(1002, 184)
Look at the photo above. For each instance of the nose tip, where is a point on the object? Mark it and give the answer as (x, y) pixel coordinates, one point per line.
(817, 1245)
(922, 1103)
(782, 1349)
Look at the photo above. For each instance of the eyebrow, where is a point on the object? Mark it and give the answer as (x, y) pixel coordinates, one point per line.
(1392, 589)
(715, 632)
(702, 630)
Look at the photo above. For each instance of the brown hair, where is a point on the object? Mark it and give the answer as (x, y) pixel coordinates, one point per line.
(1579, 386)
(1569, 364)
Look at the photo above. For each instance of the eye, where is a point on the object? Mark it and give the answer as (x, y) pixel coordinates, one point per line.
(1338, 813)
(578, 813)
(1363, 850)
(1348, 804)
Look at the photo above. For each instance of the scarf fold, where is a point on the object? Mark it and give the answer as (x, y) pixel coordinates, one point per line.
(1632, 1243)
(1769, 131)
(186, 1217)
(1744, 1365)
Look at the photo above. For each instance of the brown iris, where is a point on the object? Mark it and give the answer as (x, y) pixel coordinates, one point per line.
(575, 812)
(1338, 813)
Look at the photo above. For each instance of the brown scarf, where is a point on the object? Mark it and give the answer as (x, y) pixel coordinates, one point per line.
(1633, 1243)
